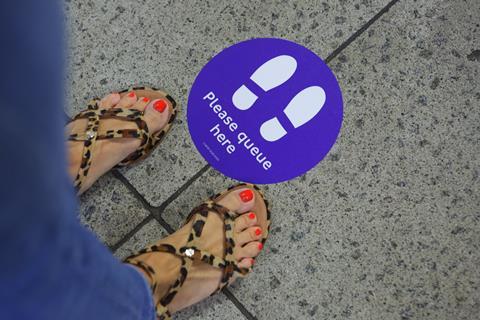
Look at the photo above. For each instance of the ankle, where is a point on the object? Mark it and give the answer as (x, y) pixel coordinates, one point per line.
(166, 268)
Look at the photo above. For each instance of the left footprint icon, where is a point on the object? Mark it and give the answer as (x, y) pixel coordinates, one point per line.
(300, 110)
(269, 75)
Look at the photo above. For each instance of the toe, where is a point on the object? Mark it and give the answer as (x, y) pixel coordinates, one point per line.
(109, 101)
(246, 263)
(250, 250)
(246, 220)
(248, 235)
(141, 103)
(156, 114)
(240, 200)
(127, 100)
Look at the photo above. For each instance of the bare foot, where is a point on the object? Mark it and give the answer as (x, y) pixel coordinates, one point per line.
(107, 153)
(249, 230)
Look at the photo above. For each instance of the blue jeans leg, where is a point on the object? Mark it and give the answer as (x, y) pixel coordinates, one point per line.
(50, 267)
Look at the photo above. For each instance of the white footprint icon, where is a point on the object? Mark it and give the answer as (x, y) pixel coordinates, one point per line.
(269, 75)
(301, 109)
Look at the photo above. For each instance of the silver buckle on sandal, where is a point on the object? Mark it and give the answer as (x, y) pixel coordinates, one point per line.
(189, 252)
(90, 134)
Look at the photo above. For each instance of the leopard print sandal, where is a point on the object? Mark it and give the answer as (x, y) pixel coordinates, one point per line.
(94, 115)
(190, 253)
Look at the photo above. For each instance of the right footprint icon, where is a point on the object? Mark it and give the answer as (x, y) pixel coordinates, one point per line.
(269, 75)
(301, 109)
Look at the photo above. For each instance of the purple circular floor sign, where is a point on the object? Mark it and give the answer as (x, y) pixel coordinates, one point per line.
(265, 110)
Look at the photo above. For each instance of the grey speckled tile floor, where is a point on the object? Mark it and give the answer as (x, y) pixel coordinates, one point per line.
(387, 226)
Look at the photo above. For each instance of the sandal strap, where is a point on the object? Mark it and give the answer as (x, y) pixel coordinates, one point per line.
(190, 253)
(155, 138)
(89, 138)
(91, 134)
(227, 264)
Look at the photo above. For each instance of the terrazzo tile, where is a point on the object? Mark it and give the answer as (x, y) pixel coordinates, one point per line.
(387, 226)
(110, 210)
(216, 307)
(147, 235)
(114, 44)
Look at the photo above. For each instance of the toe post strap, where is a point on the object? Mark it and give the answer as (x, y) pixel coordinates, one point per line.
(89, 137)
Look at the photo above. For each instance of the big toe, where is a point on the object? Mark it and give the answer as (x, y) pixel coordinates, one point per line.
(239, 201)
(157, 113)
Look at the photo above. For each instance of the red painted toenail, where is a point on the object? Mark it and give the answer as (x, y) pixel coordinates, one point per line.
(260, 246)
(160, 105)
(145, 99)
(258, 231)
(246, 195)
(131, 94)
(251, 216)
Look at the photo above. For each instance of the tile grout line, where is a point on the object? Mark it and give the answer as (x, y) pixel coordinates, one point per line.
(239, 305)
(119, 176)
(158, 210)
(360, 31)
(154, 212)
(137, 228)
(184, 187)
(130, 234)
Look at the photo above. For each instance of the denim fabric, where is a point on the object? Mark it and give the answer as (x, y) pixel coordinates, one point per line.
(50, 267)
